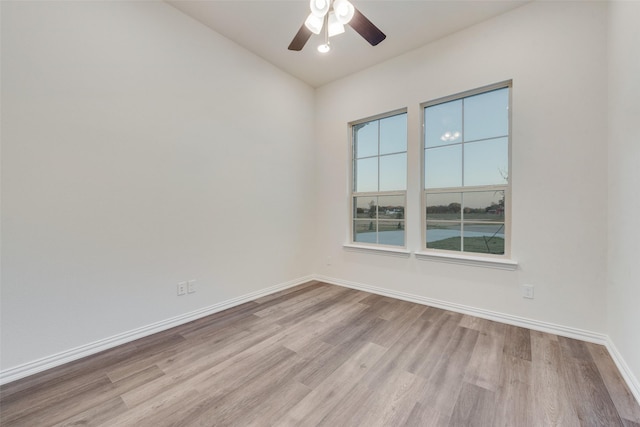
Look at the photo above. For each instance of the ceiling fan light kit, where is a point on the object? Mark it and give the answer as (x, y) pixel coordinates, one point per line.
(314, 23)
(334, 27)
(324, 48)
(332, 16)
(319, 7)
(344, 11)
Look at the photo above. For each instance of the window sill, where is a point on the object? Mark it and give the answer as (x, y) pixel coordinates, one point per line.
(477, 261)
(378, 250)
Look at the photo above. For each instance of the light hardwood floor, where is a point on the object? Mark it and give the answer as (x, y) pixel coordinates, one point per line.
(323, 355)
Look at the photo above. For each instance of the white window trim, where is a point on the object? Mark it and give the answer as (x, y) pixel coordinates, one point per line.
(395, 251)
(451, 258)
(459, 258)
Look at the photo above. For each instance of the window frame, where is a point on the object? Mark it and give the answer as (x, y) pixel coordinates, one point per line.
(461, 254)
(352, 243)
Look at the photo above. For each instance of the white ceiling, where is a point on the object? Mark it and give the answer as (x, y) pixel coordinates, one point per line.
(266, 27)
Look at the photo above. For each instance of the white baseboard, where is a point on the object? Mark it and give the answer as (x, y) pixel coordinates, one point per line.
(625, 371)
(536, 325)
(30, 368)
(564, 331)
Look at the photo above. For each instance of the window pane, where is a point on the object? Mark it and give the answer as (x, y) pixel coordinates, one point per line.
(443, 124)
(443, 167)
(366, 175)
(393, 134)
(391, 207)
(443, 235)
(486, 162)
(391, 232)
(365, 137)
(364, 231)
(484, 206)
(393, 172)
(486, 115)
(365, 207)
(445, 206)
(484, 238)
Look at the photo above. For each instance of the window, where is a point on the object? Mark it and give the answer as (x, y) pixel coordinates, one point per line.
(379, 180)
(466, 172)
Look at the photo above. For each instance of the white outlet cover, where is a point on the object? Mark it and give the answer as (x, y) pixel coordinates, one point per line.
(182, 288)
(191, 286)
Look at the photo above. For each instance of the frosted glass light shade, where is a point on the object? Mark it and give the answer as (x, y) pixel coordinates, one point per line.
(344, 11)
(335, 27)
(314, 23)
(319, 7)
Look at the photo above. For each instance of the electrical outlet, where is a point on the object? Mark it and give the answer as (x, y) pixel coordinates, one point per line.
(328, 260)
(182, 288)
(527, 291)
(191, 286)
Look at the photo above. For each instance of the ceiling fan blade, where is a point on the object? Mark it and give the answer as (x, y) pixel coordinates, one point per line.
(366, 29)
(300, 38)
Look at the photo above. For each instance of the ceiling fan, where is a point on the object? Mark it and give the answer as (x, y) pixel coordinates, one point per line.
(332, 16)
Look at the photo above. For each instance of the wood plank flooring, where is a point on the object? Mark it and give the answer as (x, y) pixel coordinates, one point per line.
(323, 355)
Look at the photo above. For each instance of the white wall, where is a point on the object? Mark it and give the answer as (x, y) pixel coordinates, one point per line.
(623, 294)
(555, 52)
(140, 149)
